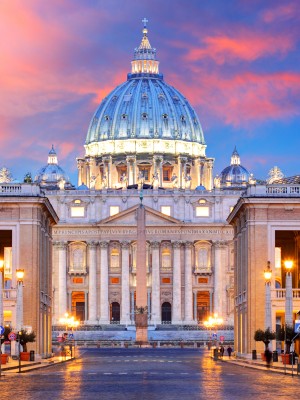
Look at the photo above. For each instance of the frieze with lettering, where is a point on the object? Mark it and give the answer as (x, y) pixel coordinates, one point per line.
(149, 231)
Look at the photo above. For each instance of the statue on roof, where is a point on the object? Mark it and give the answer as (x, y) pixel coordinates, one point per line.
(5, 175)
(123, 180)
(155, 182)
(275, 174)
(174, 181)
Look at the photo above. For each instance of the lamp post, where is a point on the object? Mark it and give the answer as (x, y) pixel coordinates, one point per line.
(212, 322)
(268, 309)
(19, 308)
(69, 322)
(288, 293)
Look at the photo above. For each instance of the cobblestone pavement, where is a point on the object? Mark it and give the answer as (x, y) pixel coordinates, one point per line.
(147, 374)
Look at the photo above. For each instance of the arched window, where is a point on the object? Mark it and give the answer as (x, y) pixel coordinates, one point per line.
(115, 258)
(77, 256)
(166, 312)
(166, 261)
(203, 257)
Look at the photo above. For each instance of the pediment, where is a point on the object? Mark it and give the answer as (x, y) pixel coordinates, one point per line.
(128, 218)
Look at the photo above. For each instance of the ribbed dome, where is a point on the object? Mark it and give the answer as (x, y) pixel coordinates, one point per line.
(235, 175)
(144, 107)
(52, 176)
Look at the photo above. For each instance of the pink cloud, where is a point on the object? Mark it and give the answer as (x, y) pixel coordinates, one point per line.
(244, 99)
(245, 45)
(283, 11)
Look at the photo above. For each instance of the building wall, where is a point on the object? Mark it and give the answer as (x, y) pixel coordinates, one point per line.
(258, 215)
(183, 232)
(30, 218)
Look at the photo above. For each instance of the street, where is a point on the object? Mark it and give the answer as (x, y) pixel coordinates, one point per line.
(147, 374)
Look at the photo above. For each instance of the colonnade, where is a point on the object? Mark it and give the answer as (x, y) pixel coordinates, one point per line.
(181, 291)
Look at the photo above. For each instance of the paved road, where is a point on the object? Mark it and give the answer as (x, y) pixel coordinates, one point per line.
(143, 374)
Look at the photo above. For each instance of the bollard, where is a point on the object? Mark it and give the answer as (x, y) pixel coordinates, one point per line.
(216, 354)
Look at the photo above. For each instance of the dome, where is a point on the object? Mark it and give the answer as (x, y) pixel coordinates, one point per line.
(235, 175)
(145, 132)
(145, 112)
(52, 176)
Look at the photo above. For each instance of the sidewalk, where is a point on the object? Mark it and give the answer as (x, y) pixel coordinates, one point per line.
(277, 366)
(27, 366)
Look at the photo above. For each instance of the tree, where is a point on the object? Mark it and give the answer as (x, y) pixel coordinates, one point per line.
(286, 334)
(25, 338)
(264, 336)
(28, 178)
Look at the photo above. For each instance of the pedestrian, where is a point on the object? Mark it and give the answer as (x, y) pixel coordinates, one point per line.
(268, 357)
(222, 351)
(229, 351)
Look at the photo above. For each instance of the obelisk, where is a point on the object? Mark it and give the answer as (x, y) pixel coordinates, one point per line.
(141, 312)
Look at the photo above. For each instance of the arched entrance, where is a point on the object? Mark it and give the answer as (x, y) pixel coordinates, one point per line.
(115, 312)
(166, 312)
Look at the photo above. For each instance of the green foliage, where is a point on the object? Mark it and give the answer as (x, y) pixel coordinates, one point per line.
(264, 336)
(7, 330)
(26, 337)
(28, 178)
(286, 334)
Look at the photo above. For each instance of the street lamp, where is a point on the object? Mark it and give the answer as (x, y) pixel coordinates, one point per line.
(69, 322)
(288, 293)
(19, 308)
(268, 309)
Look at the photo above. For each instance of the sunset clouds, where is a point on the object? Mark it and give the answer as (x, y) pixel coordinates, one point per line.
(237, 63)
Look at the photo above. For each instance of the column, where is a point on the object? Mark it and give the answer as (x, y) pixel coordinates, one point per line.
(218, 278)
(195, 306)
(132, 307)
(81, 179)
(62, 278)
(19, 306)
(125, 302)
(155, 310)
(268, 310)
(149, 305)
(188, 289)
(288, 299)
(176, 304)
(104, 306)
(92, 303)
(209, 167)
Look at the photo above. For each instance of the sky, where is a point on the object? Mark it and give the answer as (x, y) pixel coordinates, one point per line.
(236, 61)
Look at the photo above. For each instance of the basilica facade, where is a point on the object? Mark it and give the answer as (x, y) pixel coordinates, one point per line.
(144, 143)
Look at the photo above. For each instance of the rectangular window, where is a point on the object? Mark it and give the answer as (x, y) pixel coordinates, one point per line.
(114, 281)
(167, 172)
(146, 173)
(166, 280)
(113, 210)
(77, 211)
(166, 210)
(202, 280)
(202, 211)
(78, 280)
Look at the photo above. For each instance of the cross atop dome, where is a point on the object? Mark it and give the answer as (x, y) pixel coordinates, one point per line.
(145, 56)
(144, 21)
